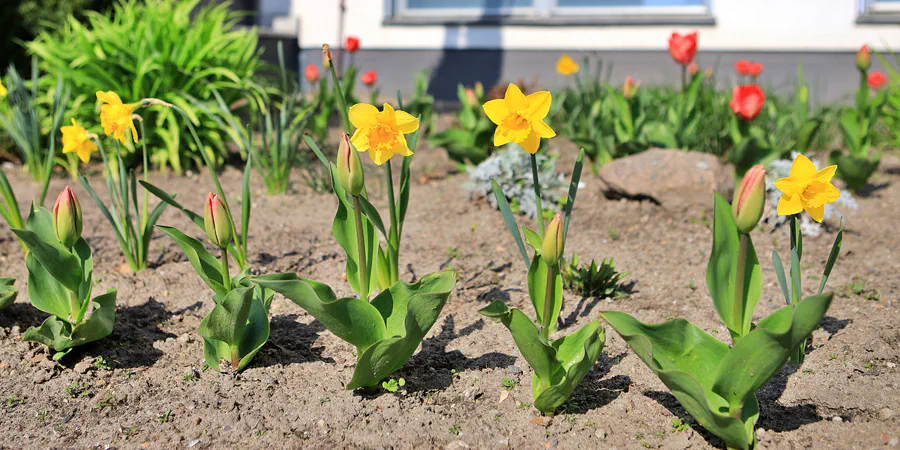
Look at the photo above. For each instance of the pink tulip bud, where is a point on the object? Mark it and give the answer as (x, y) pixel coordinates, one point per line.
(863, 58)
(350, 171)
(552, 246)
(750, 199)
(216, 221)
(67, 218)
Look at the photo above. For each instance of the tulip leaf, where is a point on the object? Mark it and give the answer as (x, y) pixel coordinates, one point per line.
(46, 292)
(8, 291)
(806, 133)
(722, 272)
(541, 356)
(242, 319)
(537, 290)
(409, 311)
(714, 383)
(576, 353)
(227, 320)
(371, 212)
(42, 243)
(60, 335)
(344, 230)
(573, 191)
(782, 280)
(351, 319)
(207, 266)
(533, 239)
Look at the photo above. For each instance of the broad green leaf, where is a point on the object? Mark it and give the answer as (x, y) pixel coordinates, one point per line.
(227, 320)
(806, 134)
(41, 240)
(409, 310)
(533, 239)
(45, 292)
(537, 290)
(207, 266)
(539, 354)
(577, 354)
(8, 291)
(60, 335)
(722, 271)
(855, 170)
(351, 319)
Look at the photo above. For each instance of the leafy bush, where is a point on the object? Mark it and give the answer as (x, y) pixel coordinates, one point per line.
(162, 49)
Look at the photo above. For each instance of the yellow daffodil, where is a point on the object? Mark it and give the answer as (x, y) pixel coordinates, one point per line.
(520, 119)
(2, 89)
(75, 140)
(806, 189)
(381, 131)
(566, 65)
(115, 117)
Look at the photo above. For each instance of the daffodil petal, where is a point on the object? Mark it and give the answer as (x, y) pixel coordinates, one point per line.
(788, 185)
(380, 156)
(542, 129)
(363, 115)
(401, 148)
(531, 143)
(109, 97)
(515, 99)
(816, 213)
(496, 110)
(360, 140)
(406, 122)
(830, 194)
(84, 154)
(134, 134)
(538, 105)
(501, 138)
(789, 204)
(825, 175)
(802, 168)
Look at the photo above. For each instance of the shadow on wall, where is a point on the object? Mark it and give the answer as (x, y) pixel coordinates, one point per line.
(470, 54)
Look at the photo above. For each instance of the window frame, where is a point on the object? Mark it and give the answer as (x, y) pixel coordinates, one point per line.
(549, 12)
(878, 12)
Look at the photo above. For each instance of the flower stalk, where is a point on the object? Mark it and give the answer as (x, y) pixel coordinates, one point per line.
(361, 247)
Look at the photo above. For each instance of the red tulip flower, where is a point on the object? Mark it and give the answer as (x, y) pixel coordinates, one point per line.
(312, 73)
(877, 80)
(747, 101)
(754, 69)
(352, 44)
(369, 78)
(683, 47)
(747, 68)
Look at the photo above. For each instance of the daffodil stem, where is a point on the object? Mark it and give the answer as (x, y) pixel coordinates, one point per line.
(225, 275)
(739, 283)
(361, 246)
(537, 194)
(549, 298)
(393, 247)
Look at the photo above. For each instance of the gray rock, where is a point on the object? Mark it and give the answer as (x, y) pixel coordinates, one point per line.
(513, 370)
(83, 366)
(675, 179)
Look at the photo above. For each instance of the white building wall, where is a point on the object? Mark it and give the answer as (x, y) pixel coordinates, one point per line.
(741, 25)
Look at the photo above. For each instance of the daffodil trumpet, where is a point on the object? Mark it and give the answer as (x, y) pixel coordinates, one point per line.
(388, 328)
(60, 267)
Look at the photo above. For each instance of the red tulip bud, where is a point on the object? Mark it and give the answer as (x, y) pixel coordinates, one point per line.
(683, 47)
(67, 218)
(747, 101)
(369, 78)
(552, 245)
(216, 221)
(750, 199)
(352, 44)
(312, 73)
(877, 80)
(630, 88)
(863, 58)
(350, 171)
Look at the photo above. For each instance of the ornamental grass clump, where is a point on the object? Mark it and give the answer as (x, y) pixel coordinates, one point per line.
(60, 268)
(559, 364)
(717, 383)
(385, 329)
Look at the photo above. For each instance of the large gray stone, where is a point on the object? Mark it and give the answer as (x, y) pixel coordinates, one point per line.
(675, 179)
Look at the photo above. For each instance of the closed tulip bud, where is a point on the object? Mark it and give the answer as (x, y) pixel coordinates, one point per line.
(863, 58)
(216, 221)
(350, 171)
(750, 199)
(630, 88)
(326, 56)
(552, 246)
(67, 218)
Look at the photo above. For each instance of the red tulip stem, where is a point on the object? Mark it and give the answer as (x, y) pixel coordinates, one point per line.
(739, 290)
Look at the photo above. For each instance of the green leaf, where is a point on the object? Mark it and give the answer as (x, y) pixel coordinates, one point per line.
(577, 353)
(832, 257)
(409, 311)
(539, 354)
(207, 266)
(46, 292)
(344, 230)
(351, 319)
(722, 271)
(505, 210)
(8, 292)
(41, 240)
(806, 133)
(855, 170)
(60, 335)
(537, 290)
(227, 320)
(573, 191)
(170, 199)
(849, 126)
(782, 280)
(533, 239)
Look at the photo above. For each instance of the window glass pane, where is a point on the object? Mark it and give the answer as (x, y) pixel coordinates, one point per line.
(630, 3)
(468, 4)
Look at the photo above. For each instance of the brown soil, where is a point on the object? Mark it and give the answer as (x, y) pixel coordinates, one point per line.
(292, 395)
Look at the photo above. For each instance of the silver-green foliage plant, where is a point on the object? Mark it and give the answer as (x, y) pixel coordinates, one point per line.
(592, 280)
(60, 268)
(511, 170)
(559, 364)
(717, 383)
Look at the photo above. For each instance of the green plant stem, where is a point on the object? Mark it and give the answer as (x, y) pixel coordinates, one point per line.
(235, 357)
(361, 246)
(537, 194)
(739, 289)
(548, 303)
(684, 84)
(394, 238)
(74, 307)
(225, 275)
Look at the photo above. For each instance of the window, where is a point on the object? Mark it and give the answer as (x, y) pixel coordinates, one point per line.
(547, 9)
(879, 11)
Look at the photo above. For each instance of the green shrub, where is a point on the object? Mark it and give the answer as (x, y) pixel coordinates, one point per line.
(161, 49)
